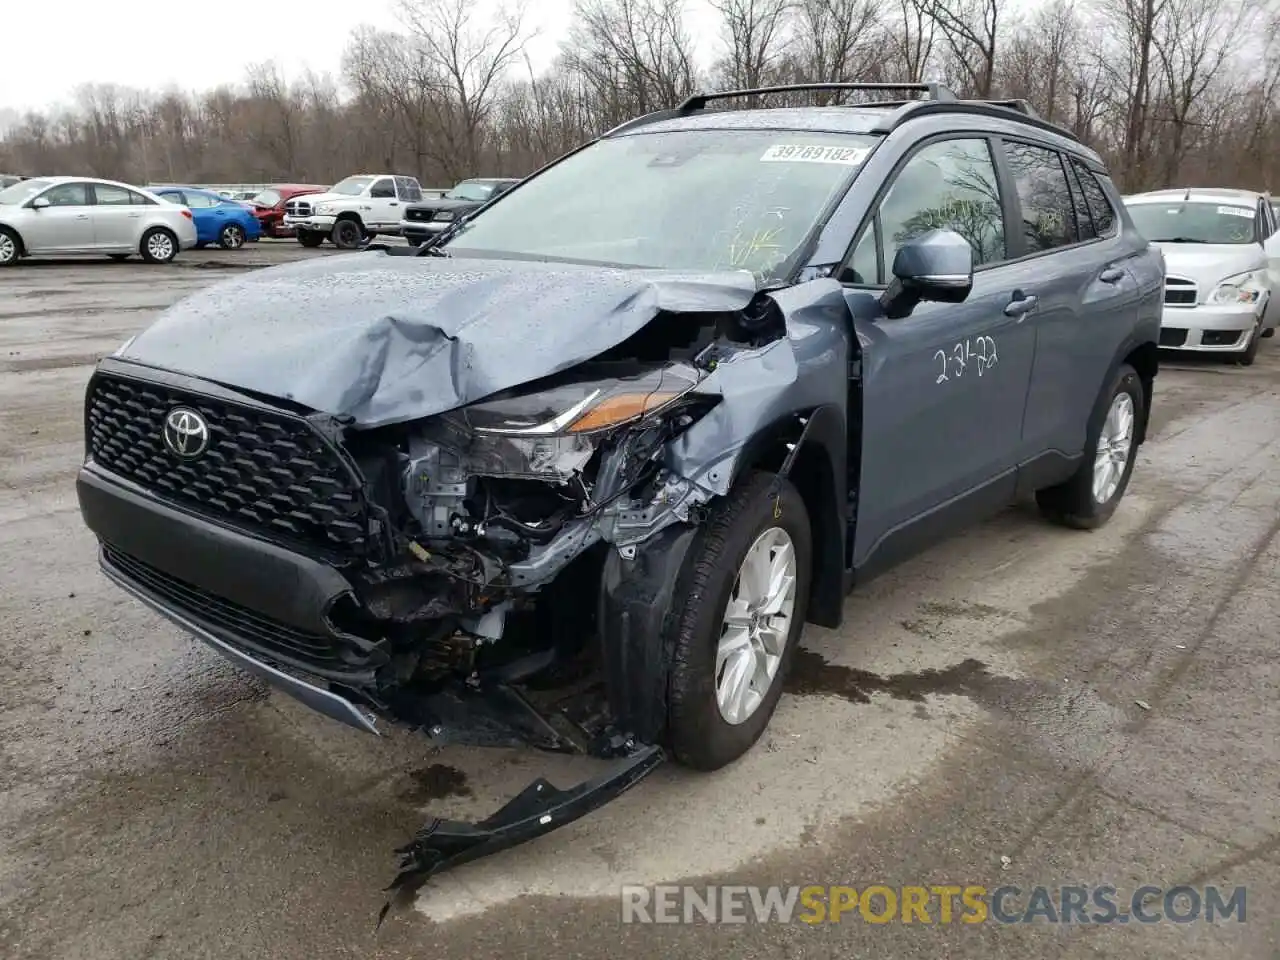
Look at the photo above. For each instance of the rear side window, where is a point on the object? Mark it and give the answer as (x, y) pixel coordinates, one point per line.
(138, 200)
(110, 196)
(1048, 219)
(201, 201)
(1104, 215)
(409, 189)
(1084, 219)
(384, 189)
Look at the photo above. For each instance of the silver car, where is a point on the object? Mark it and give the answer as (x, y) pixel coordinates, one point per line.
(48, 216)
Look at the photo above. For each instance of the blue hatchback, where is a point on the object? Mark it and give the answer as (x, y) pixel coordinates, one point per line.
(218, 220)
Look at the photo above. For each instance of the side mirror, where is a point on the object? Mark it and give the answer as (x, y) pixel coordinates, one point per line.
(937, 267)
(39, 203)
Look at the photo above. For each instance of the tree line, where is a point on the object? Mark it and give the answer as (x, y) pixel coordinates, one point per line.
(1170, 92)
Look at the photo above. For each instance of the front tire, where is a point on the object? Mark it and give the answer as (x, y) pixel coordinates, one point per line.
(738, 621)
(310, 239)
(1088, 499)
(158, 246)
(231, 237)
(1250, 353)
(10, 247)
(347, 234)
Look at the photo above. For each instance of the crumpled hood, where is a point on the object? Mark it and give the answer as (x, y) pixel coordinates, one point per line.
(385, 338)
(1208, 264)
(314, 198)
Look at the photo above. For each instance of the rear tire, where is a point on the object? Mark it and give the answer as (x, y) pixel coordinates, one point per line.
(10, 247)
(158, 246)
(231, 237)
(765, 520)
(1086, 501)
(347, 234)
(310, 239)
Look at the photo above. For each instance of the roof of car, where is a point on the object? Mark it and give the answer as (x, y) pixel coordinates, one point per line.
(1250, 197)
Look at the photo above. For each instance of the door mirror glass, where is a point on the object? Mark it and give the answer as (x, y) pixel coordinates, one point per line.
(936, 266)
(39, 203)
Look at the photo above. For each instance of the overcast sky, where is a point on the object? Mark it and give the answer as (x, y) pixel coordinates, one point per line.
(56, 45)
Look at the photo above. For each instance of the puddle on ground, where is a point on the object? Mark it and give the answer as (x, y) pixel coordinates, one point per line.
(435, 782)
(812, 675)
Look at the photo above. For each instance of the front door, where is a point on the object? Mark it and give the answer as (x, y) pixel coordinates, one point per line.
(65, 225)
(944, 389)
(384, 205)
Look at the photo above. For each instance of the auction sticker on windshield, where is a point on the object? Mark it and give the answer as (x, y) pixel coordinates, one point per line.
(799, 153)
(1236, 212)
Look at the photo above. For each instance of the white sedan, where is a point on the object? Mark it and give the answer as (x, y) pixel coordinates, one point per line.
(52, 216)
(1222, 260)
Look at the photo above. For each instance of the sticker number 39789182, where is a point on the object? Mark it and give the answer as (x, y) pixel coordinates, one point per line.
(800, 153)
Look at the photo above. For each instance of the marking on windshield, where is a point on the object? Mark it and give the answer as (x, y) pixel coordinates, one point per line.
(799, 153)
(1236, 212)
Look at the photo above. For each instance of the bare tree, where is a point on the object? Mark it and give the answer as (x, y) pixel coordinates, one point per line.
(971, 30)
(755, 32)
(471, 61)
(634, 55)
(1192, 42)
(836, 40)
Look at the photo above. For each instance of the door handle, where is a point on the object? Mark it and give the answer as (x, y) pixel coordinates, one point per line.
(394, 203)
(1020, 305)
(1111, 275)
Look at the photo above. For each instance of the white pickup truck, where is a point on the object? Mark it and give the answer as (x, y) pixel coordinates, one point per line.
(353, 210)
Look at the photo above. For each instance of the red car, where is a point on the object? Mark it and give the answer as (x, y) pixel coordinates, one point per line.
(268, 206)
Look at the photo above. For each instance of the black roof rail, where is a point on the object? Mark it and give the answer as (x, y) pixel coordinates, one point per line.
(1022, 106)
(986, 108)
(699, 101)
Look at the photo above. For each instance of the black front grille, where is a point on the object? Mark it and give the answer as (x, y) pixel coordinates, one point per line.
(265, 472)
(412, 214)
(1172, 336)
(252, 632)
(1180, 292)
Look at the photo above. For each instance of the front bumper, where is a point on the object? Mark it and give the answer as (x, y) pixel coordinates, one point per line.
(1207, 328)
(423, 229)
(314, 222)
(183, 567)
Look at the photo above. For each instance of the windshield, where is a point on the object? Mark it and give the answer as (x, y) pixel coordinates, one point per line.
(1194, 221)
(352, 186)
(696, 200)
(267, 198)
(470, 190)
(21, 192)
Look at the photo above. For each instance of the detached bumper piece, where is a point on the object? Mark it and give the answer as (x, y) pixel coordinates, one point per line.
(537, 810)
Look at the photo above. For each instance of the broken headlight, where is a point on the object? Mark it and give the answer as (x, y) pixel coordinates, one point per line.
(587, 407)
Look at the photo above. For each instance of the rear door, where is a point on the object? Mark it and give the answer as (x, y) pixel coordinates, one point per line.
(1090, 294)
(66, 225)
(943, 390)
(117, 217)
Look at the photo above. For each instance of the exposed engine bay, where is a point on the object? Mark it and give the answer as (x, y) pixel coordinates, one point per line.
(501, 510)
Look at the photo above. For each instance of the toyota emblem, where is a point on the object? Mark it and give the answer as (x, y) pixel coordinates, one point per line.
(186, 433)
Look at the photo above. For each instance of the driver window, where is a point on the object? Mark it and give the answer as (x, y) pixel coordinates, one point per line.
(948, 185)
(67, 195)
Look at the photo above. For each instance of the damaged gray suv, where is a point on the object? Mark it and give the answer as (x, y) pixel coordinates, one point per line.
(576, 473)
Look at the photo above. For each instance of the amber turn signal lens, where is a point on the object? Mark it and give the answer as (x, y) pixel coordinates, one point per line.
(620, 409)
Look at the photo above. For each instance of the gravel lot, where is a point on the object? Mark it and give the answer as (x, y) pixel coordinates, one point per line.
(982, 702)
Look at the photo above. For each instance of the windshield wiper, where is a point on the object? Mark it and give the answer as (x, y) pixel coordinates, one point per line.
(1180, 240)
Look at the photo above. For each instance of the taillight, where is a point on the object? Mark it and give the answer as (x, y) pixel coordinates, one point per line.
(187, 213)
